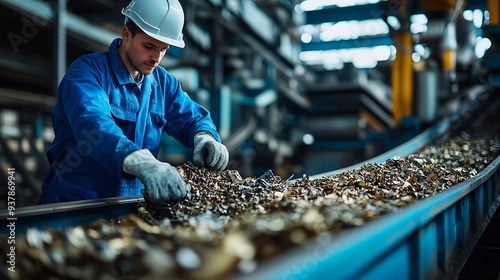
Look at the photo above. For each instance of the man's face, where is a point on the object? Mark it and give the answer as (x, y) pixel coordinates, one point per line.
(143, 52)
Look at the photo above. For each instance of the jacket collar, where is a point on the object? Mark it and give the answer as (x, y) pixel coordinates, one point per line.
(119, 69)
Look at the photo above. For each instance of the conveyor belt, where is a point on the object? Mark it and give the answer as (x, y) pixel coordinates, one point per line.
(429, 239)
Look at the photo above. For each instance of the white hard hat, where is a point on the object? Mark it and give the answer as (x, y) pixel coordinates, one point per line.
(160, 19)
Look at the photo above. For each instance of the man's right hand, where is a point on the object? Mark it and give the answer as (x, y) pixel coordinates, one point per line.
(162, 181)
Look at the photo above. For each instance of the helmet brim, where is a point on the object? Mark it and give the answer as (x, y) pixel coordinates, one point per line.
(175, 43)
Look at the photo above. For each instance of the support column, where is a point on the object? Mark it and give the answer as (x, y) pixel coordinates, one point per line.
(396, 82)
(402, 68)
(217, 73)
(59, 55)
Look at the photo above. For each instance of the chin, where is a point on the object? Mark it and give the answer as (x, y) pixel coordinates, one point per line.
(147, 72)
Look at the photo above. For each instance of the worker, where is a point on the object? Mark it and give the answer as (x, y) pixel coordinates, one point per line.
(112, 108)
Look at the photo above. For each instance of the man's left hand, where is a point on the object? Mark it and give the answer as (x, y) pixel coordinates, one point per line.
(209, 153)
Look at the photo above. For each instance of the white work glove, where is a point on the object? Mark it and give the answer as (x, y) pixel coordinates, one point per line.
(162, 181)
(209, 153)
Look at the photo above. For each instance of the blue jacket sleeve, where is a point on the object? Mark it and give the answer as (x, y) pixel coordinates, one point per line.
(88, 111)
(185, 116)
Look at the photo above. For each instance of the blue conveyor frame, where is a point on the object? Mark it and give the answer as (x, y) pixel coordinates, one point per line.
(430, 239)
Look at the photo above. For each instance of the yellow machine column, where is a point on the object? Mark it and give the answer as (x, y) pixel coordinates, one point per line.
(402, 68)
(494, 9)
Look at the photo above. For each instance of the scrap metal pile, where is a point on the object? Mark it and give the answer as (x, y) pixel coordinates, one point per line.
(230, 224)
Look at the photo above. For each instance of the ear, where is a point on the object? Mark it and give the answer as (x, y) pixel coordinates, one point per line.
(126, 34)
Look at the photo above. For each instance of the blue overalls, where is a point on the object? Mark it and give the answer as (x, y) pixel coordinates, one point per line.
(98, 120)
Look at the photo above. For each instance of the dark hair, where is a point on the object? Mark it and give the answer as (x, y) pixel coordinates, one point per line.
(134, 29)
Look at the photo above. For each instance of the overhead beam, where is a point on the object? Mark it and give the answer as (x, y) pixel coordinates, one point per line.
(336, 14)
(10, 97)
(26, 64)
(45, 11)
(366, 42)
